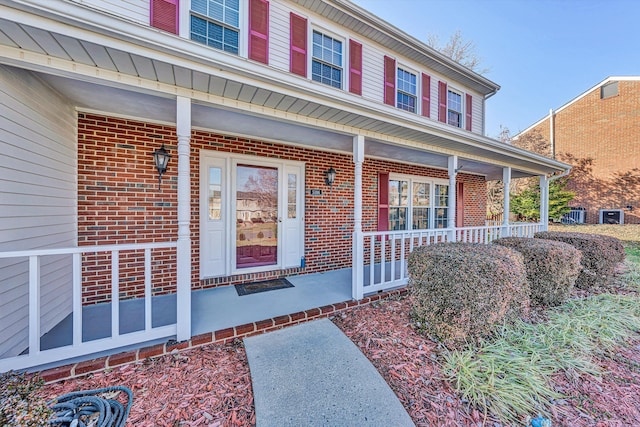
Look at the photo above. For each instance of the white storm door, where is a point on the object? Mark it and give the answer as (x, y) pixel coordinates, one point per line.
(293, 216)
(213, 212)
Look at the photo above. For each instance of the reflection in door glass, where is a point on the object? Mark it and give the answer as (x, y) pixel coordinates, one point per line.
(256, 216)
(215, 193)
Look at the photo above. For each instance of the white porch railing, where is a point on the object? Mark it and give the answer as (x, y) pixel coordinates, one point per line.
(386, 252)
(35, 356)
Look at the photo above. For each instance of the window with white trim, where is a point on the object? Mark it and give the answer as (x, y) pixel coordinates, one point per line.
(406, 90)
(216, 23)
(326, 64)
(454, 108)
(418, 202)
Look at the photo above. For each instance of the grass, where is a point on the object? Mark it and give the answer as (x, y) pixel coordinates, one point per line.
(511, 375)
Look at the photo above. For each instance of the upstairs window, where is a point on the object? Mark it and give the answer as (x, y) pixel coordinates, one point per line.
(326, 65)
(454, 108)
(406, 90)
(216, 23)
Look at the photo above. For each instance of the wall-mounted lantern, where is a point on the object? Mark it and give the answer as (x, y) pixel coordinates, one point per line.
(161, 158)
(330, 177)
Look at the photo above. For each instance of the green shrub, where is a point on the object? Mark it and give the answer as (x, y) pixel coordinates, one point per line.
(600, 255)
(552, 267)
(463, 290)
(19, 405)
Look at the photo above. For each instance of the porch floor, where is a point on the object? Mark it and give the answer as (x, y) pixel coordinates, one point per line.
(211, 310)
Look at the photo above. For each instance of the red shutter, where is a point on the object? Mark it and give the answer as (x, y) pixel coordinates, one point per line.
(426, 95)
(298, 45)
(389, 81)
(442, 102)
(164, 15)
(459, 204)
(355, 67)
(259, 30)
(383, 201)
(468, 118)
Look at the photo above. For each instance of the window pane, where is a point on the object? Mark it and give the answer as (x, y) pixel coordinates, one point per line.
(397, 218)
(442, 195)
(199, 6)
(292, 187)
(420, 218)
(421, 194)
(441, 218)
(215, 193)
(398, 193)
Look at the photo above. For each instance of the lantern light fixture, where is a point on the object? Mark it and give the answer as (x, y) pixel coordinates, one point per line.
(161, 158)
(330, 176)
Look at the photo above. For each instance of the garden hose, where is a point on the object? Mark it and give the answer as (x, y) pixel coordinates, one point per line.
(75, 409)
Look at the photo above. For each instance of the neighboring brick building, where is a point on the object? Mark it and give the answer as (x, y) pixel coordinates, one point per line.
(602, 124)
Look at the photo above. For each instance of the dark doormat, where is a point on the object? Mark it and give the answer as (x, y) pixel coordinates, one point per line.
(267, 285)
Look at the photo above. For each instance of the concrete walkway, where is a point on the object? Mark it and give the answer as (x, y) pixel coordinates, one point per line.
(312, 375)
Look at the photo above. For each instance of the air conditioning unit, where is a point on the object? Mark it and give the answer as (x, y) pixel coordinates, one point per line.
(611, 216)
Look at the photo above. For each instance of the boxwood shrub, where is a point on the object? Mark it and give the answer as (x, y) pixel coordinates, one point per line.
(600, 255)
(461, 291)
(552, 267)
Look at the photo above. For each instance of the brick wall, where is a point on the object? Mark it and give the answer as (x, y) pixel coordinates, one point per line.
(606, 130)
(119, 202)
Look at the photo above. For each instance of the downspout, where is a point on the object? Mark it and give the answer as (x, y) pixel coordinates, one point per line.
(552, 135)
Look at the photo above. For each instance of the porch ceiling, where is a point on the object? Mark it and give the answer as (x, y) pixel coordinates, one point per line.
(133, 79)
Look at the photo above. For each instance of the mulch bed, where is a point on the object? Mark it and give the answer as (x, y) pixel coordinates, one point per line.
(211, 385)
(207, 386)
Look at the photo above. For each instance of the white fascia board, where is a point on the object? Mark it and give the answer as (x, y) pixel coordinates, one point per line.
(579, 97)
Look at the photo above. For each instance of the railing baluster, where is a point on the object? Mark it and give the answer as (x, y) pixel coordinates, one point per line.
(147, 289)
(372, 260)
(34, 305)
(76, 298)
(383, 258)
(402, 256)
(392, 258)
(115, 294)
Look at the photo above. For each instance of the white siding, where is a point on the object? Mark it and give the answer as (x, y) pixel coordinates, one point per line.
(477, 113)
(37, 200)
(373, 71)
(279, 35)
(133, 10)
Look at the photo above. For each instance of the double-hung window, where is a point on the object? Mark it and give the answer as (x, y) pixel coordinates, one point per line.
(216, 23)
(406, 90)
(417, 203)
(454, 108)
(326, 65)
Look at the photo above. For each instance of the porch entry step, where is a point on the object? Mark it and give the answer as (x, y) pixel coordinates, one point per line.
(312, 375)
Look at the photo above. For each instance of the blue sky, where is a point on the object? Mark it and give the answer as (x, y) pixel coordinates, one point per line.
(543, 53)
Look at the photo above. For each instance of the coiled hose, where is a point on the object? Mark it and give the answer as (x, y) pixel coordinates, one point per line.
(75, 409)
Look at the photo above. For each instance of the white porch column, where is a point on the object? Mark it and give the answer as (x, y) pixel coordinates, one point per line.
(183, 297)
(453, 172)
(357, 263)
(506, 182)
(544, 203)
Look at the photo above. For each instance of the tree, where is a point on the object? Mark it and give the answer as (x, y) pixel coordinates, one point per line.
(526, 203)
(460, 50)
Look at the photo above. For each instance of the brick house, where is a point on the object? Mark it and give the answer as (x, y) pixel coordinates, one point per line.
(600, 124)
(306, 137)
